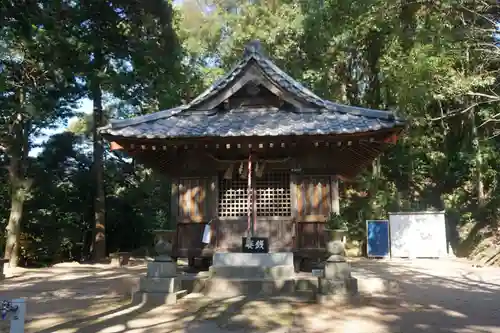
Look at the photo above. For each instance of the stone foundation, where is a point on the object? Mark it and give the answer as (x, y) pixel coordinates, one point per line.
(253, 259)
(302, 284)
(160, 286)
(234, 274)
(220, 287)
(336, 284)
(252, 272)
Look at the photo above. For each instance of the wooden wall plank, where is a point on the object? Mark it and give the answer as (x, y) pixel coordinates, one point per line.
(312, 200)
(193, 203)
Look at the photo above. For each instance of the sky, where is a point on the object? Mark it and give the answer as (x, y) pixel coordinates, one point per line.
(85, 107)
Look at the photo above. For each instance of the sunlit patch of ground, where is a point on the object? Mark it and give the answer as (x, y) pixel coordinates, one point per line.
(241, 312)
(95, 299)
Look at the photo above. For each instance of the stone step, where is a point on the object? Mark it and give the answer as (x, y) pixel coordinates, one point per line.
(224, 287)
(253, 272)
(305, 284)
(253, 259)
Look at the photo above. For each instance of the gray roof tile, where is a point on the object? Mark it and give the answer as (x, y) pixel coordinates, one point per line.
(325, 118)
(250, 122)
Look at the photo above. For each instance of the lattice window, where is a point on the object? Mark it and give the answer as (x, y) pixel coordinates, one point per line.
(233, 196)
(273, 196)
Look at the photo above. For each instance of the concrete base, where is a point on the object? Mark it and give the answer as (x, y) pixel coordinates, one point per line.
(340, 270)
(253, 259)
(338, 287)
(234, 274)
(159, 285)
(252, 272)
(304, 282)
(161, 269)
(336, 291)
(220, 287)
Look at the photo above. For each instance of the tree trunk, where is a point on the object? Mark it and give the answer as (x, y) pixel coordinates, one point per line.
(99, 235)
(19, 185)
(13, 230)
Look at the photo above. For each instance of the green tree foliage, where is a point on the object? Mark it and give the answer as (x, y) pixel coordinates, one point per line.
(433, 62)
(54, 52)
(129, 50)
(59, 216)
(35, 92)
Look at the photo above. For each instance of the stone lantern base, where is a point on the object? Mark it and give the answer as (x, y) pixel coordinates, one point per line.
(336, 284)
(161, 284)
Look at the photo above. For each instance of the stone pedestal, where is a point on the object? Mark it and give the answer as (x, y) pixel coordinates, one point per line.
(119, 259)
(161, 284)
(235, 274)
(337, 268)
(336, 284)
(3, 263)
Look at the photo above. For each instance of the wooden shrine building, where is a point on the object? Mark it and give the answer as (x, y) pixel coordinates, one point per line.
(256, 153)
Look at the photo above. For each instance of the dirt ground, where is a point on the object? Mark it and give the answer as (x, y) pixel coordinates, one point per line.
(434, 296)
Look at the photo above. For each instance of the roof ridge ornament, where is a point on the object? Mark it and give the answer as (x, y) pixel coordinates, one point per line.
(253, 47)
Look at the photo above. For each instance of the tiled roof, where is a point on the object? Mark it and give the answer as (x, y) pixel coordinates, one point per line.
(251, 122)
(324, 117)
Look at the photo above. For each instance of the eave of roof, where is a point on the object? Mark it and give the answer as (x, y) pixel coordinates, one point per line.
(279, 77)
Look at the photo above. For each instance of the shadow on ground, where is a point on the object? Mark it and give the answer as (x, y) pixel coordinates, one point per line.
(432, 298)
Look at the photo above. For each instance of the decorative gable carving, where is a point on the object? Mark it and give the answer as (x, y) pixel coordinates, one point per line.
(252, 87)
(254, 94)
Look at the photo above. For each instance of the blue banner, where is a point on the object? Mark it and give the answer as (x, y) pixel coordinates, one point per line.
(377, 234)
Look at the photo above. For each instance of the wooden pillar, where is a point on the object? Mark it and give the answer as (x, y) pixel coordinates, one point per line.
(174, 203)
(334, 184)
(213, 209)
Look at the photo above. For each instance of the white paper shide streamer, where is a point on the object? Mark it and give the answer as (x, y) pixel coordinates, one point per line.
(207, 234)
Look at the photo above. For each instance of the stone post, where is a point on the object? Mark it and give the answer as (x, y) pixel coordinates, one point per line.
(3, 263)
(161, 284)
(337, 284)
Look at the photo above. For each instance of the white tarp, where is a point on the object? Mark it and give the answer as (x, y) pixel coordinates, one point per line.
(418, 234)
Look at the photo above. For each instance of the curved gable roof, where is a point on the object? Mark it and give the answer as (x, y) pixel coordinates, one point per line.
(322, 117)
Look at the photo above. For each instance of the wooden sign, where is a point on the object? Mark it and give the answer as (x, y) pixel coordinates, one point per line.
(255, 245)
